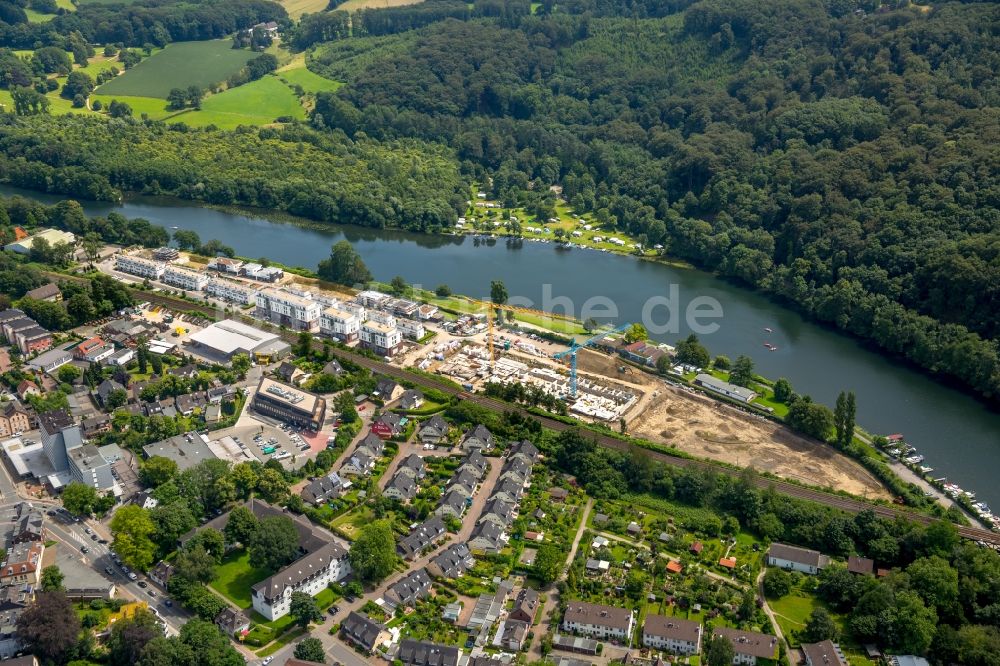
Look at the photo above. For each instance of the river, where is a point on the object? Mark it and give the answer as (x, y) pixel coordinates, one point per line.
(958, 435)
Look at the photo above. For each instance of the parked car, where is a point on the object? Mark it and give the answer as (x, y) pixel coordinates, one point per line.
(143, 583)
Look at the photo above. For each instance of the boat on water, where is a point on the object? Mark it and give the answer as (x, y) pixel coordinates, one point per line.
(768, 329)
(914, 460)
(924, 469)
(770, 346)
(175, 227)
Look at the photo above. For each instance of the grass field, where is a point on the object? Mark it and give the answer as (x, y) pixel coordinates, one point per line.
(235, 576)
(355, 5)
(38, 17)
(296, 8)
(155, 109)
(179, 66)
(310, 81)
(256, 103)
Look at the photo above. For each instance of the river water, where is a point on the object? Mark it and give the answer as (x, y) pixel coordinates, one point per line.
(958, 435)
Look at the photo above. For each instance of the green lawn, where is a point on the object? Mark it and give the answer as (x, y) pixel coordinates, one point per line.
(234, 578)
(155, 109)
(256, 103)
(309, 80)
(180, 65)
(39, 17)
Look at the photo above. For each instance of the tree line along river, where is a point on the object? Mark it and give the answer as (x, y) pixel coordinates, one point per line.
(959, 436)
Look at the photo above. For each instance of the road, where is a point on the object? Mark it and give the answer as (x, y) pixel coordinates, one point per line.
(552, 592)
(847, 504)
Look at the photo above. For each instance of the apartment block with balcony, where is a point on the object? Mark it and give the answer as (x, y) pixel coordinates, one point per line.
(135, 265)
(338, 322)
(185, 278)
(381, 338)
(299, 312)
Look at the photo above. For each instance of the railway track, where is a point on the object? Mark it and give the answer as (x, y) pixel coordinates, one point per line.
(847, 504)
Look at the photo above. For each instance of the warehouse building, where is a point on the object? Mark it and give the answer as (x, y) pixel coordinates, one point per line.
(225, 339)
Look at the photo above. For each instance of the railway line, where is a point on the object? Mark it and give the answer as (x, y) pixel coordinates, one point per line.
(847, 504)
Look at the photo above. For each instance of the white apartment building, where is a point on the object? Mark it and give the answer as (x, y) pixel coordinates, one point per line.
(230, 290)
(299, 312)
(372, 299)
(411, 329)
(133, 265)
(382, 317)
(311, 574)
(598, 621)
(340, 323)
(381, 338)
(185, 278)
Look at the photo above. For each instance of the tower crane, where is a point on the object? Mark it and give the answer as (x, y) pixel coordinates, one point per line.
(575, 347)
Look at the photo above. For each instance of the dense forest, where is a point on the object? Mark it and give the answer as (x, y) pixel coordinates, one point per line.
(840, 160)
(322, 176)
(155, 22)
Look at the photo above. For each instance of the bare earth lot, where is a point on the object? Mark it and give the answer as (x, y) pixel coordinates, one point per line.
(708, 429)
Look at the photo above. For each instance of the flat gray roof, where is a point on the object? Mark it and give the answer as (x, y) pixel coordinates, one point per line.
(230, 336)
(186, 454)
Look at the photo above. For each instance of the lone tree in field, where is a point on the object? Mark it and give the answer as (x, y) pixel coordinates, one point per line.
(373, 553)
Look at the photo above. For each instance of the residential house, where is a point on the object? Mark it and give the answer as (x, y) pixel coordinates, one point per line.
(29, 524)
(145, 500)
(411, 329)
(411, 399)
(161, 573)
(333, 367)
(464, 482)
(166, 254)
(825, 653)
(322, 489)
(411, 588)
(311, 574)
(453, 503)
(232, 291)
(23, 564)
(507, 490)
(47, 292)
(360, 463)
(374, 445)
(524, 450)
(289, 372)
(513, 634)
(433, 431)
(388, 425)
(363, 631)
(401, 487)
(94, 350)
(453, 562)
(13, 419)
(27, 387)
(478, 438)
(860, 565)
(95, 425)
(525, 606)
(498, 512)
(226, 265)
(232, 622)
(186, 371)
(794, 558)
(672, 634)
(749, 646)
(412, 465)
(476, 464)
(105, 389)
(422, 536)
(516, 470)
(597, 620)
(387, 390)
(487, 536)
(423, 653)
